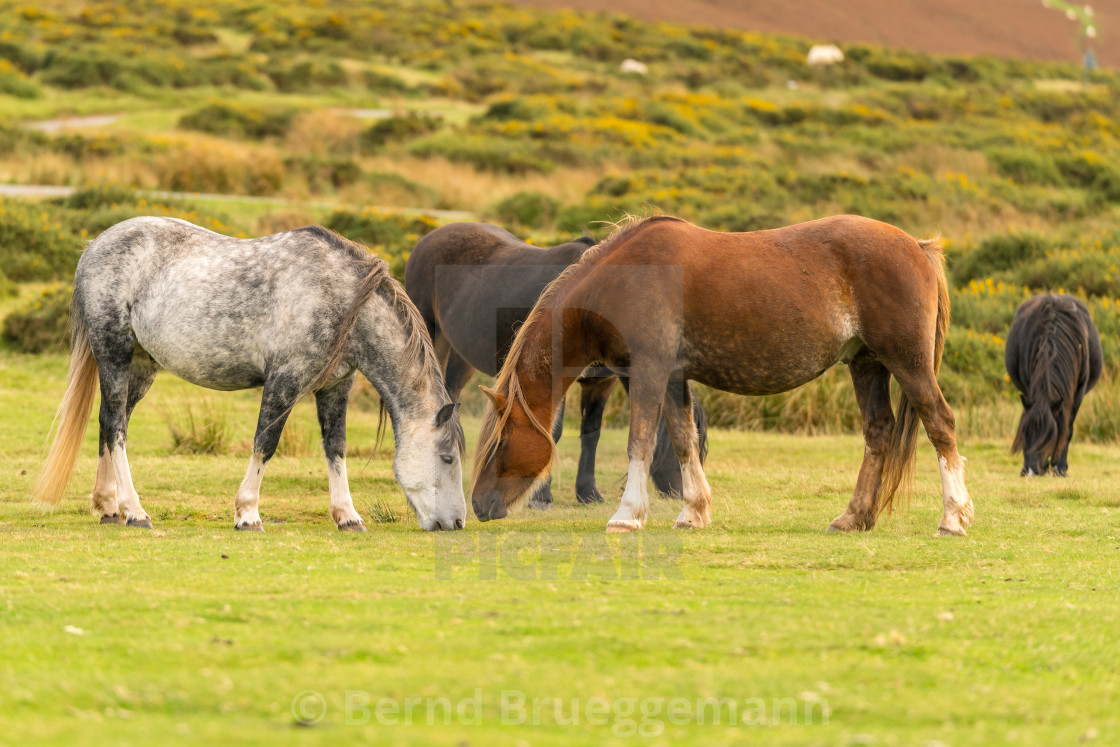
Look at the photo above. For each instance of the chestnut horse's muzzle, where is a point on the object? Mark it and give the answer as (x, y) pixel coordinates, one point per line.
(491, 506)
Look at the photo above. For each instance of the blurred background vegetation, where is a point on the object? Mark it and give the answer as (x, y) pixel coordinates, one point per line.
(383, 120)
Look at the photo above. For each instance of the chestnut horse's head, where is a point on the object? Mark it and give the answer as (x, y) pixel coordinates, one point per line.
(514, 454)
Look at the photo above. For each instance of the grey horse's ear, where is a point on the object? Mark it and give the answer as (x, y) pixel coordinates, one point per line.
(446, 412)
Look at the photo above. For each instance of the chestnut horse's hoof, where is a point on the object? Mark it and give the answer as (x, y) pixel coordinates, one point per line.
(352, 526)
(111, 519)
(256, 526)
(145, 523)
(624, 525)
(949, 532)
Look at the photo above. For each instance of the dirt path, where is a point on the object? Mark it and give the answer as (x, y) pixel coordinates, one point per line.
(46, 190)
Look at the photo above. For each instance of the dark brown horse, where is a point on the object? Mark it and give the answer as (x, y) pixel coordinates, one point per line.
(474, 285)
(1054, 358)
(666, 302)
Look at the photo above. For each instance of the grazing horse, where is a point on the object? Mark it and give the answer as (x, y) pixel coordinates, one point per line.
(295, 312)
(666, 302)
(1054, 358)
(475, 284)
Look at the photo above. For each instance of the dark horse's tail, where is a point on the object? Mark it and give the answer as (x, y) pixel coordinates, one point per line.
(1054, 380)
(898, 466)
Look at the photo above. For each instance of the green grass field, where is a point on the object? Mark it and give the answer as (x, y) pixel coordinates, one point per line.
(194, 632)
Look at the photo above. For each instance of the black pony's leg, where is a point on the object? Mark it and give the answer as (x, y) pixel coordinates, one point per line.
(542, 499)
(666, 467)
(281, 391)
(594, 393)
(1061, 464)
(455, 374)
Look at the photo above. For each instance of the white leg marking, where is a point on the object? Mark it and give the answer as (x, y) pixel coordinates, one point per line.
(127, 498)
(103, 499)
(342, 505)
(249, 496)
(631, 513)
(696, 513)
(954, 495)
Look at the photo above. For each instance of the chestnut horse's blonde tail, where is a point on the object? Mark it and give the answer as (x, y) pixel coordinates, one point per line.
(898, 466)
(72, 416)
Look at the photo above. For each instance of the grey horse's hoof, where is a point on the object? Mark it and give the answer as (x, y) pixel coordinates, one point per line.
(111, 519)
(352, 526)
(256, 526)
(145, 523)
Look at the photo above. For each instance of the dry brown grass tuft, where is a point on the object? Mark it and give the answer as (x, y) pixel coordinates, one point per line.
(323, 132)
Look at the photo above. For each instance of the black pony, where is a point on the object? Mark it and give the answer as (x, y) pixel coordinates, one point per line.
(1054, 358)
(474, 285)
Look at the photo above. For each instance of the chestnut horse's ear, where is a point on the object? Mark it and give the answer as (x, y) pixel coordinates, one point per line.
(446, 412)
(498, 400)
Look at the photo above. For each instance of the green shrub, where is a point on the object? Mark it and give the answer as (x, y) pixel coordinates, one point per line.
(997, 253)
(43, 325)
(388, 235)
(307, 75)
(395, 128)
(99, 195)
(14, 83)
(234, 120)
(486, 153)
(7, 287)
(324, 172)
(1025, 165)
(35, 244)
(530, 209)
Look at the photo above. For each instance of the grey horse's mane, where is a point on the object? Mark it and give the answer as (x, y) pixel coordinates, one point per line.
(507, 383)
(418, 357)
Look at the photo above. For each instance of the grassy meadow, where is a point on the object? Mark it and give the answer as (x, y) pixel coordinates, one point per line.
(194, 632)
(382, 120)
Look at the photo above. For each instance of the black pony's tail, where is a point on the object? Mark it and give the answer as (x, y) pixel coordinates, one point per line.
(1049, 388)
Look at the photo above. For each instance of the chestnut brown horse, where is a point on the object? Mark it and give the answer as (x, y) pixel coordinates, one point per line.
(474, 285)
(666, 302)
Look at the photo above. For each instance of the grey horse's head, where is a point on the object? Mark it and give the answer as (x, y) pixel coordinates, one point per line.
(429, 466)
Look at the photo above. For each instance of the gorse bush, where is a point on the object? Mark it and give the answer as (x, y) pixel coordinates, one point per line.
(232, 120)
(35, 243)
(43, 325)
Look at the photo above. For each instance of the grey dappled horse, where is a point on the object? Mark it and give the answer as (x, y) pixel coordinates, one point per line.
(295, 312)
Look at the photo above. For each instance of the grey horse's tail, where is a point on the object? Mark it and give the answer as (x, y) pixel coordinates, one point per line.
(72, 416)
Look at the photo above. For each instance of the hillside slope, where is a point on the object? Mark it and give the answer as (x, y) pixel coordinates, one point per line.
(1006, 28)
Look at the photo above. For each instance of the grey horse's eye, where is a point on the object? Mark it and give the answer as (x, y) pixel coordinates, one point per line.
(447, 458)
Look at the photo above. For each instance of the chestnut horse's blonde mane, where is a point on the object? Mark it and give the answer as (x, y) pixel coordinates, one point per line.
(508, 384)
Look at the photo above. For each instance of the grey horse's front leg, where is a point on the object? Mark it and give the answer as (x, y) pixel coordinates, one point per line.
(331, 406)
(281, 391)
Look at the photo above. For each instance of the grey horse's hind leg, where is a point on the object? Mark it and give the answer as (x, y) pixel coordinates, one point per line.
(281, 391)
(103, 500)
(114, 365)
(331, 406)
